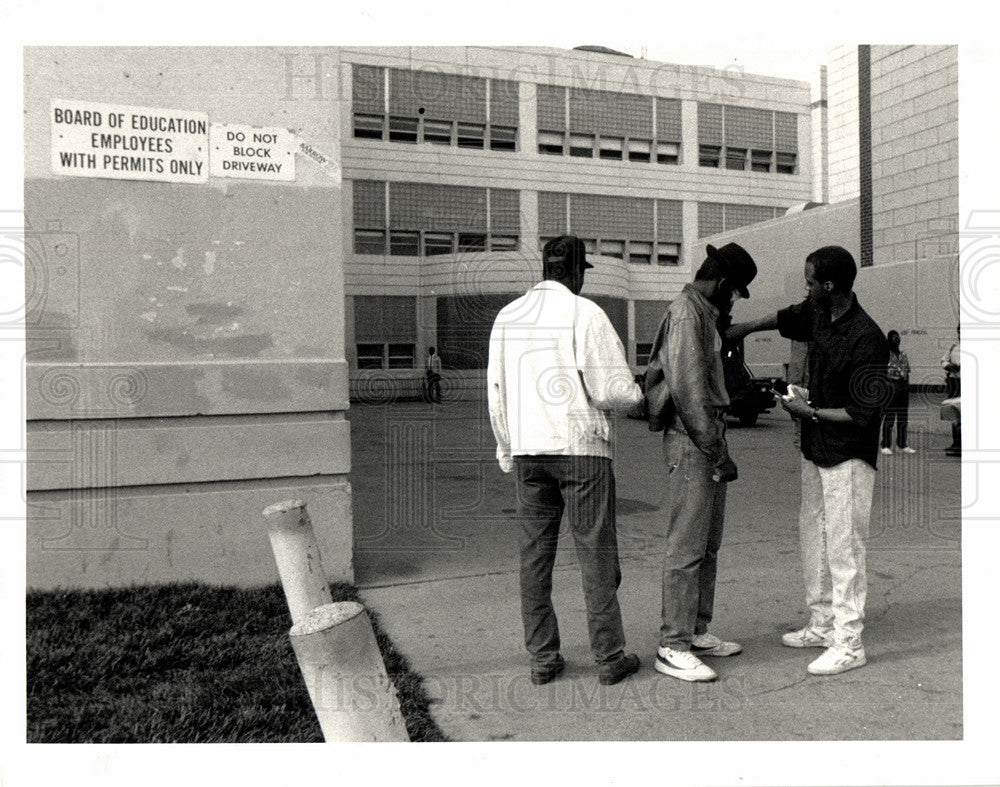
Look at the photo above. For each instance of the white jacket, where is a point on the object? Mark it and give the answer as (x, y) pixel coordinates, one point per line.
(556, 366)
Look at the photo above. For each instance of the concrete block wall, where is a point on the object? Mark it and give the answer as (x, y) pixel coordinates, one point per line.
(914, 152)
(185, 363)
(842, 98)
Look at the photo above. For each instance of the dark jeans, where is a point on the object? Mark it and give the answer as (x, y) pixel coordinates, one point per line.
(433, 387)
(583, 486)
(697, 507)
(898, 411)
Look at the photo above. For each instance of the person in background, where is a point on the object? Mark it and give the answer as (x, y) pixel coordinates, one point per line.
(433, 376)
(556, 368)
(899, 405)
(952, 365)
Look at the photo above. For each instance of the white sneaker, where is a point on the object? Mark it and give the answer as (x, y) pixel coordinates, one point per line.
(682, 664)
(887, 451)
(908, 450)
(808, 637)
(710, 645)
(837, 659)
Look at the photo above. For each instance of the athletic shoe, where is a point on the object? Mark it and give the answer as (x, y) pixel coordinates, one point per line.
(617, 671)
(907, 450)
(682, 664)
(887, 451)
(808, 637)
(546, 673)
(710, 645)
(837, 659)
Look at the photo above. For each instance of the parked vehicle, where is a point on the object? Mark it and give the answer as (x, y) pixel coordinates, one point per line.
(749, 396)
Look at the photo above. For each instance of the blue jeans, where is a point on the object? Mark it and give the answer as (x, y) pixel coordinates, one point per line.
(583, 486)
(697, 506)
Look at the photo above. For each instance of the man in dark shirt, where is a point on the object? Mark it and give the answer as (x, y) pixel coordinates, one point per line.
(839, 411)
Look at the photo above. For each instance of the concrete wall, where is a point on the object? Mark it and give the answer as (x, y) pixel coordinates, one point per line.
(185, 359)
(842, 98)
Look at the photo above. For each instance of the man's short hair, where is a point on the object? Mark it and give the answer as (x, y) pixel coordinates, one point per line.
(834, 264)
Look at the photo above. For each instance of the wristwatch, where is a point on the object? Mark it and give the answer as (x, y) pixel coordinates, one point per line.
(815, 416)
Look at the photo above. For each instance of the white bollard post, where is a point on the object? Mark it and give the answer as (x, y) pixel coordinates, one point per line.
(346, 678)
(297, 555)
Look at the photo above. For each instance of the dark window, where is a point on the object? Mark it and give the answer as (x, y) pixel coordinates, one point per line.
(471, 241)
(785, 163)
(736, 158)
(404, 243)
(371, 356)
(708, 155)
(368, 126)
(613, 248)
(437, 132)
(640, 252)
(611, 148)
(668, 153)
(401, 356)
(638, 150)
(369, 241)
(760, 160)
(581, 145)
(503, 138)
(438, 243)
(503, 242)
(471, 135)
(668, 253)
(551, 142)
(402, 129)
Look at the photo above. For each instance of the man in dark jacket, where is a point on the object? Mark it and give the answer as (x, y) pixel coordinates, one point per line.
(699, 467)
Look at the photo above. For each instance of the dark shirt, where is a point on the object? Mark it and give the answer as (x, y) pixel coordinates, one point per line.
(846, 368)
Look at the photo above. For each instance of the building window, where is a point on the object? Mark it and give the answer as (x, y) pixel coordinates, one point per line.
(760, 160)
(668, 153)
(642, 351)
(613, 248)
(551, 142)
(437, 132)
(640, 252)
(503, 138)
(369, 241)
(436, 243)
(590, 245)
(404, 243)
(708, 155)
(736, 158)
(471, 135)
(371, 356)
(400, 356)
(668, 253)
(402, 129)
(638, 150)
(581, 145)
(471, 241)
(503, 242)
(368, 126)
(611, 148)
(785, 163)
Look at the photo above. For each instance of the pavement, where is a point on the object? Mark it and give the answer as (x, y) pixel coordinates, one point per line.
(435, 557)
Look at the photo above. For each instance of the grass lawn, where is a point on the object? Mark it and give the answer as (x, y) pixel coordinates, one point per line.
(180, 664)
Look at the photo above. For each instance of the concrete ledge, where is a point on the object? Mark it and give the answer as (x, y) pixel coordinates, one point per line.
(210, 533)
(132, 452)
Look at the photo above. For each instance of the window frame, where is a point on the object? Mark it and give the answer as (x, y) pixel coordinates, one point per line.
(358, 242)
(369, 116)
(395, 133)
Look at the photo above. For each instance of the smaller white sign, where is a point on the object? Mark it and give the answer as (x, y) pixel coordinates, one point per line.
(240, 151)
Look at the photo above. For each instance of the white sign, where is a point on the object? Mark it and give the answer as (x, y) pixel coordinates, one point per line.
(131, 143)
(324, 162)
(240, 151)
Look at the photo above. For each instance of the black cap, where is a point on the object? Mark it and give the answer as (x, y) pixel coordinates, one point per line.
(736, 265)
(562, 250)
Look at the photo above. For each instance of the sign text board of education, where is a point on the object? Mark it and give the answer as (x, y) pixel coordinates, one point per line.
(240, 151)
(132, 143)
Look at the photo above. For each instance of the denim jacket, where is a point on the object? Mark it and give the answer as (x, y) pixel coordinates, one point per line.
(694, 373)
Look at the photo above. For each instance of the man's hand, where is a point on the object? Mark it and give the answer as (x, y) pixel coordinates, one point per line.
(725, 471)
(797, 407)
(506, 462)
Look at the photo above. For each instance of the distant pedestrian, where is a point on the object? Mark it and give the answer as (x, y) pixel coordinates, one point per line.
(556, 367)
(433, 372)
(840, 414)
(952, 365)
(899, 405)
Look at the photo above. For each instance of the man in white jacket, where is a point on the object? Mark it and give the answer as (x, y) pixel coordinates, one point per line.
(556, 368)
